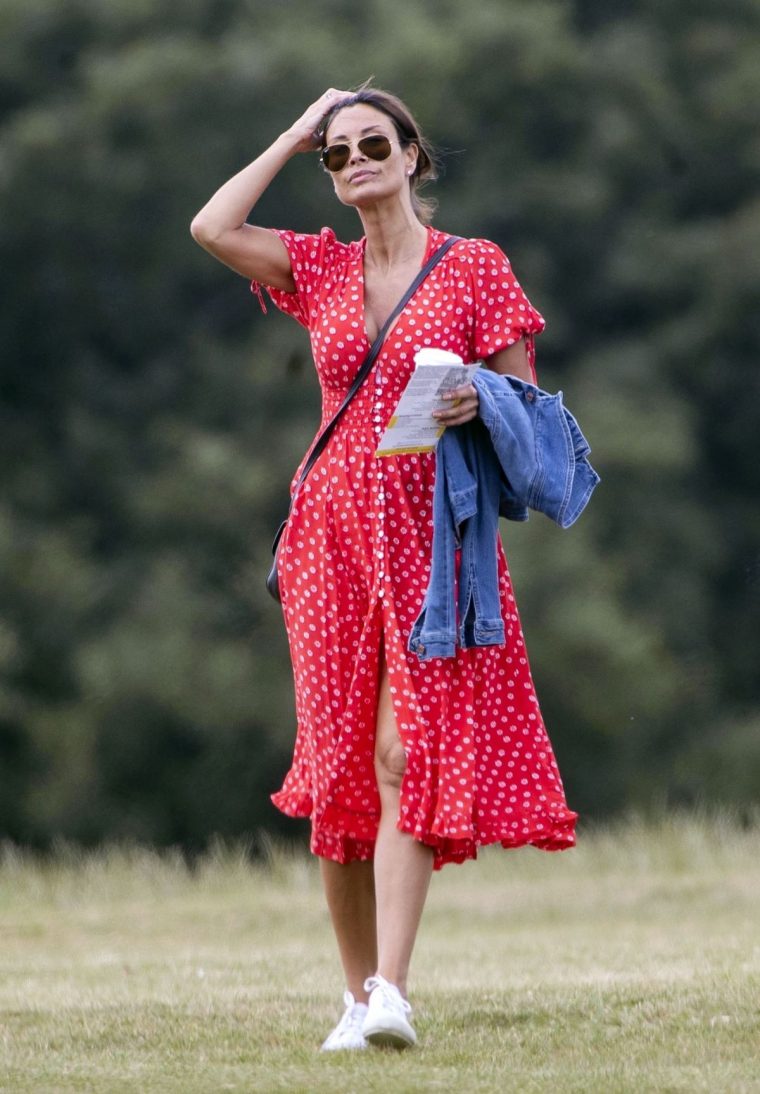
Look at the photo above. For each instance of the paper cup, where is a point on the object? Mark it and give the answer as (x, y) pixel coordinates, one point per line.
(431, 355)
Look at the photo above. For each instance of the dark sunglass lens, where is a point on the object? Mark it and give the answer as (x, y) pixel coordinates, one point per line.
(377, 148)
(335, 157)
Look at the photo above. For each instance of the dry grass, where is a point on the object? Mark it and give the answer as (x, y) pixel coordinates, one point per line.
(629, 964)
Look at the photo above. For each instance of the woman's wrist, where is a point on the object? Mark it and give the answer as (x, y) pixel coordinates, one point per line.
(292, 141)
(287, 142)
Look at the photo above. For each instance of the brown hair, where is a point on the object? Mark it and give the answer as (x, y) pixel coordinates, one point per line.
(408, 131)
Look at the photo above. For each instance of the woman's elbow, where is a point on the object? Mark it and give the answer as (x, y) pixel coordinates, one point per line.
(201, 231)
(197, 229)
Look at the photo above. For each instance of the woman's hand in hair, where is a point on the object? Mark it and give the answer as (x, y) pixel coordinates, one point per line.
(304, 131)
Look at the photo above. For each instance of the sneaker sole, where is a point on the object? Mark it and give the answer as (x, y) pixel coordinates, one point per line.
(345, 1048)
(390, 1038)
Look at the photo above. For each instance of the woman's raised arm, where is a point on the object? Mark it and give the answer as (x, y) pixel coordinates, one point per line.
(220, 226)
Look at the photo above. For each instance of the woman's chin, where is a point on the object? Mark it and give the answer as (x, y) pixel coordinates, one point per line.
(363, 194)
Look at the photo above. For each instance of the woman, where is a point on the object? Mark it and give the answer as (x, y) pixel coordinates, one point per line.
(403, 765)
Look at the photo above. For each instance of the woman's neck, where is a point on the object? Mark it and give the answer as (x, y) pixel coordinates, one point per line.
(392, 239)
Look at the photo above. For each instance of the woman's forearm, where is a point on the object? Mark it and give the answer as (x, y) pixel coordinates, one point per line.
(514, 361)
(232, 203)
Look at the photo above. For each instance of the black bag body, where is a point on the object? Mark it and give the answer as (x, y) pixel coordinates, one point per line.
(273, 581)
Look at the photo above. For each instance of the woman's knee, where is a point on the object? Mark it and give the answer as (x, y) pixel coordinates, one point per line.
(390, 757)
(390, 763)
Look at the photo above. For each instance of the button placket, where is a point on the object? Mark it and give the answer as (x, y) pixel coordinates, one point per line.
(377, 423)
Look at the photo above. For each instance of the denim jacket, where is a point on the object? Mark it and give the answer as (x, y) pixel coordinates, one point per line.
(523, 451)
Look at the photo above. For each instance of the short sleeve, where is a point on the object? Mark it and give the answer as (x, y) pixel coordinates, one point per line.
(307, 262)
(502, 313)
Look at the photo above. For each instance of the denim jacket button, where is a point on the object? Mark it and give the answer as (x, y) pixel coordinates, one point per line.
(530, 396)
(420, 648)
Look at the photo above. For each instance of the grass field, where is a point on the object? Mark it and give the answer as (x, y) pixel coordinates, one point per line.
(629, 964)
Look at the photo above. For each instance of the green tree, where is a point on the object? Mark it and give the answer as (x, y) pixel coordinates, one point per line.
(151, 416)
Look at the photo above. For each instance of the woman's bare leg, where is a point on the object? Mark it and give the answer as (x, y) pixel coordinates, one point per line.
(350, 892)
(403, 866)
(376, 907)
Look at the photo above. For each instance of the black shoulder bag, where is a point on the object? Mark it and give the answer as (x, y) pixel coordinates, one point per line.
(321, 442)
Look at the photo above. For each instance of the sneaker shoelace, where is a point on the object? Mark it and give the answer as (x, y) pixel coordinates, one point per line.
(353, 1016)
(389, 993)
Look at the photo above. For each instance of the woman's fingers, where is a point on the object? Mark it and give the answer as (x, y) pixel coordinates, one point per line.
(305, 127)
(464, 406)
(334, 93)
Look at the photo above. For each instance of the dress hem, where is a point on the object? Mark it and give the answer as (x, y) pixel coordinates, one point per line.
(350, 837)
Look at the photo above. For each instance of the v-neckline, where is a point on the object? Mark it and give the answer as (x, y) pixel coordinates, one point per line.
(431, 231)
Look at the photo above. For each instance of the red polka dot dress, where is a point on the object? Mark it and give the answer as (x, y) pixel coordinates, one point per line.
(353, 570)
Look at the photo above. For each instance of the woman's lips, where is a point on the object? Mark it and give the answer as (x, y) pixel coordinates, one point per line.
(359, 176)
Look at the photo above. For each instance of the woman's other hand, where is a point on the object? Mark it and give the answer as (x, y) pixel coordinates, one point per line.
(464, 406)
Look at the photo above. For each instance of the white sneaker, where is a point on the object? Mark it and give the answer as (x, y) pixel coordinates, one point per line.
(348, 1032)
(387, 1021)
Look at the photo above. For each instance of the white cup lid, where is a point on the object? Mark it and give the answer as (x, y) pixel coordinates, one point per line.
(431, 355)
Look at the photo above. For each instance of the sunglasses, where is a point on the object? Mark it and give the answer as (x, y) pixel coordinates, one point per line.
(336, 156)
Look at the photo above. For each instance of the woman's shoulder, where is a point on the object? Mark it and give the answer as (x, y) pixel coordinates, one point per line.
(323, 245)
(329, 244)
(476, 250)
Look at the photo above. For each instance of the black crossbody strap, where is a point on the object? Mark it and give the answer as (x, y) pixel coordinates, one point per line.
(369, 360)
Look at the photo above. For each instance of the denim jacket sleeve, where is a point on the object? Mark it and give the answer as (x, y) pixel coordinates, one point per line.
(540, 447)
(434, 633)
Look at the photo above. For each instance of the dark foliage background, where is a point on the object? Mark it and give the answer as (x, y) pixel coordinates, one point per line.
(151, 416)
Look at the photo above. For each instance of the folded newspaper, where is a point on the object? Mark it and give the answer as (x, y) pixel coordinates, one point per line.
(413, 427)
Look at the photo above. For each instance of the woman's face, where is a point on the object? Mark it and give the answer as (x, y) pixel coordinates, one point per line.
(364, 181)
